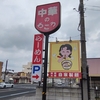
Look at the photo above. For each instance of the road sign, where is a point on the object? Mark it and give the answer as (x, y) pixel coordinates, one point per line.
(36, 72)
(47, 18)
(37, 57)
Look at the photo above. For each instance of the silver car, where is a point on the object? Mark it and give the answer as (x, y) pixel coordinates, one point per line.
(6, 85)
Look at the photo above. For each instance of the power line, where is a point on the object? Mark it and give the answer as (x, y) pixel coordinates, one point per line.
(92, 9)
(93, 6)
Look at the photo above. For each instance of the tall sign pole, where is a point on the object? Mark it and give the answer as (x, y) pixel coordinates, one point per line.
(45, 68)
(84, 80)
(47, 21)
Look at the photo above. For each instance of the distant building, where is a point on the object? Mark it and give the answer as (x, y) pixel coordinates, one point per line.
(8, 76)
(1, 64)
(27, 68)
(94, 71)
(22, 77)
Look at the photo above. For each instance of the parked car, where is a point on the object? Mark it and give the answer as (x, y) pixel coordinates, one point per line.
(59, 83)
(6, 85)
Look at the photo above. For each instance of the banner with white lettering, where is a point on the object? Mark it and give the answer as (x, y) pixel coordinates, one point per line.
(37, 57)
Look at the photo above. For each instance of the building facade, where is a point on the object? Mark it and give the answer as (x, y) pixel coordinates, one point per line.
(21, 77)
(27, 68)
(1, 64)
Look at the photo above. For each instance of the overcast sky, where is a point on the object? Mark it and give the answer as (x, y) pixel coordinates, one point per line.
(17, 29)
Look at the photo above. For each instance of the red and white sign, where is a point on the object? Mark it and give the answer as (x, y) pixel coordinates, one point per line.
(64, 74)
(47, 18)
(37, 57)
(38, 49)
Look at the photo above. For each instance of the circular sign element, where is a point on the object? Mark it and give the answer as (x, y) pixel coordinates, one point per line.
(66, 64)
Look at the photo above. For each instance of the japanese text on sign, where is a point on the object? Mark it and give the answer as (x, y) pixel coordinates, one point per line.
(50, 11)
(47, 17)
(65, 74)
(38, 47)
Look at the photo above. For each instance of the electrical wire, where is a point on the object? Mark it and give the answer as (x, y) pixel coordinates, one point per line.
(92, 9)
(93, 6)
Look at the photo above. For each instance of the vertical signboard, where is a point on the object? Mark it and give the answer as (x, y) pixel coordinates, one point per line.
(65, 60)
(37, 57)
(47, 19)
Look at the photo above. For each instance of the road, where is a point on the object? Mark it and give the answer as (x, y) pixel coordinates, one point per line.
(18, 90)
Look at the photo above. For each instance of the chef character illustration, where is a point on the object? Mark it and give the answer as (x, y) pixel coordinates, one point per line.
(65, 52)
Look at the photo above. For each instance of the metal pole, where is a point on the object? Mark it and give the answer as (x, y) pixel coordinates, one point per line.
(45, 68)
(96, 88)
(83, 53)
(5, 70)
(88, 83)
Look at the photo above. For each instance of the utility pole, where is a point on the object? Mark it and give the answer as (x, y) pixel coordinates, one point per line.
(84, 80)
(5, 70)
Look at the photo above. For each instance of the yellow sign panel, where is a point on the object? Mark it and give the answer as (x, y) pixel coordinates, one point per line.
(64, 56)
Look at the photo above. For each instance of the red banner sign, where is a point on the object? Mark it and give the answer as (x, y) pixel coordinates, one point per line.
(64, 74)
(38, 49)
(47, 18)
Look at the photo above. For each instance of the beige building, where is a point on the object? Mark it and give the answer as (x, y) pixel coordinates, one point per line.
(1, 64)
(27, 68)
(25, 75)
(21, 77)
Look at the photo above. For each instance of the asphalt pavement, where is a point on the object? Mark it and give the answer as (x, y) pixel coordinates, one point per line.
(30, 96)
(19, 92)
